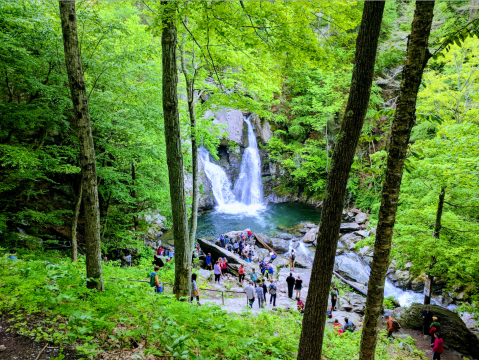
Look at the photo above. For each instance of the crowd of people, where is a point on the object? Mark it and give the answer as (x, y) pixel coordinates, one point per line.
(259, 288)
(239, 246)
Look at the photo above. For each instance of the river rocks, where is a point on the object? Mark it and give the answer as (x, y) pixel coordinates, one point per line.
(351, 269)
(206, 274)
(261, 254)
(349, 240)
(361, 218)
(311, 235)
(280, 246)
(401, 279)
(352, 302)
(366, 254)
(454, 332)
(285, 236)
(349, 227)
(417, 284)
(363, 233)
(234, 261)
(303, 261)
(280, 262)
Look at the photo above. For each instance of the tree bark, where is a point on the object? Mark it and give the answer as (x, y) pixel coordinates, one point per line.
(74, 224)
(314, 321)
(417, 56)
(437, 231)
(85, 139)
(174, 154)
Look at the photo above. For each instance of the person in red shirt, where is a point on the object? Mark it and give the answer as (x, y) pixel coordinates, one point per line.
(300, 306)
(437, 348)
(337, 327)
(241, 274)
(249, 234)
(224, 267)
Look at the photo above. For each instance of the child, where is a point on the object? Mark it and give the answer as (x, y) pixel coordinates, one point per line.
(12, 255)
(300, 306)
(128, 259)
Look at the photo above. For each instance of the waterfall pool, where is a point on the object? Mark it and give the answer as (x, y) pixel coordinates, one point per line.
(266, 218)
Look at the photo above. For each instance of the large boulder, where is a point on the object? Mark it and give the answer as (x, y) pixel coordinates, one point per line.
(303, 261)
(351, 301)
(285, 236)
(349, 240)
(361, 218)
(454, 332)
(349, 227)
(311, 235)
(234, 261)
(351, 269)
(280, 262)
(280, 246)
(401, 279)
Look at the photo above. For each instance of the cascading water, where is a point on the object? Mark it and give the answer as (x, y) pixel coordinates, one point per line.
(247, 195)
(219, 181)
(248, 187)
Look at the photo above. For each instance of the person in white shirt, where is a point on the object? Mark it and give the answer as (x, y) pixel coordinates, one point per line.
(249, 290)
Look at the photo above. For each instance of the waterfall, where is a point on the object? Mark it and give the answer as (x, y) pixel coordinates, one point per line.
(247, 194)
(248, 187)
(219, 181)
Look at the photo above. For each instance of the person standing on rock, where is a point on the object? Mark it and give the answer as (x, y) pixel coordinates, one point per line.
(253, 276)
(260, 295)
(209, 262)
(437, 348)
(250, 234)
(272, 293)
(224, 269)
(270, 271)
(298, 284)
(222, 241)
(241, 274)
(272, 256)
(265, 291)
(217, 272)
(292, 260)
(290, 281)
(426, 320)
(235, 247)
(249, 290)
(334, 297)
(240, 249)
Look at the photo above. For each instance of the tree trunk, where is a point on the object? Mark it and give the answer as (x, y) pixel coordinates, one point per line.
(133, 194)
(437, 231)
(174, 154)
(85, 139)
(74, 224)
(314, 320)
(417, 56)
(194, 162)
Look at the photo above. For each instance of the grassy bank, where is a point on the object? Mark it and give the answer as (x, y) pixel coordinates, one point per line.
(44, 295)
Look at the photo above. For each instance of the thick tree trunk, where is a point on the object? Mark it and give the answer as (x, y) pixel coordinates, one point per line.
(437, 231)
(74, 224)
(314, 320)
(174, 154)
(417, 56)
(85, 138)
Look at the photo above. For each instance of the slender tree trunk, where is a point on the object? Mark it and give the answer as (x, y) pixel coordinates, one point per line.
(133, 194)
(194, 155)
(174, 154)
(75, 222)
(314, 321)
(417, 56)
(437, 231)
(87, 150)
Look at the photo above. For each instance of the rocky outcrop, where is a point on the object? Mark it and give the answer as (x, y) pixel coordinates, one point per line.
(303, 261)
(262, 127)
(234, 261)
(361, 218)
(349, 227)
(454, 332)
(350, 240)
(311, 235)
(285, 236)
(351, 269)
(280, 246)
(352, 302)
(234, 125)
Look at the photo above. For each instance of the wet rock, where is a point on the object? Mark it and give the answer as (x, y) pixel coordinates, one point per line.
(303, 230)
(363, 233)
(262, 127)
(353, 302)
(361, 218)
(260, 254)
(417, 284)
(311, 235)
(351, 269)
(303, 261)
(280, 262)
(280, 246)
(349, 227)
(401, 279)
(349, 240)
(285, 236)
(454, 332)
(207, 274)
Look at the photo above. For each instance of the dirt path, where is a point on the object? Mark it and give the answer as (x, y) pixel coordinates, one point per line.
(19, 347)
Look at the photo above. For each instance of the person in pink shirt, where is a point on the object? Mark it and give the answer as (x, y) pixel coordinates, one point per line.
(437, 348)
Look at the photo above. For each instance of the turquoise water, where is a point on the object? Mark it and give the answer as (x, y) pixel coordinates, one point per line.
(267, 221)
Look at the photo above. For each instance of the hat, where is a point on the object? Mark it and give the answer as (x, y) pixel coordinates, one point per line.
(385, 315)
(434, 318)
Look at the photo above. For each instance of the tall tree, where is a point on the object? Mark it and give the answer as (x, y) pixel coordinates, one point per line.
(405, 118)
(174, 154)
(311, 342)
(87, 149)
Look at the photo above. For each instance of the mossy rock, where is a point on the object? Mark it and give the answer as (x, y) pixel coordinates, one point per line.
(453, 330)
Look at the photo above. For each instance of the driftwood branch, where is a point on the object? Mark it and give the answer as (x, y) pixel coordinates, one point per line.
(362, 292)
(264, 244)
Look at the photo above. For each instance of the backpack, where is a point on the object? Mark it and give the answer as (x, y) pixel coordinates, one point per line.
(272, 289)
(329, 315)
(397, 326)
(152, 279)
(293, 256)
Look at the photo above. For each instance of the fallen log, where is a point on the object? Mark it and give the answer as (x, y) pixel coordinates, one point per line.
(264, 244)
(361, 291)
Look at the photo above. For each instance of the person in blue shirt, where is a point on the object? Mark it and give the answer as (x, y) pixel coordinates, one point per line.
(12, 256)
(226, 240)
(222, 241)
(269, 271)
(128, 259)
(209, 263)
(262, 266)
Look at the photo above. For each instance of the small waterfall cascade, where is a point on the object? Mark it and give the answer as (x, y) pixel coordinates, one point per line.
(219, 181)
(248, 188)
(247, 193)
